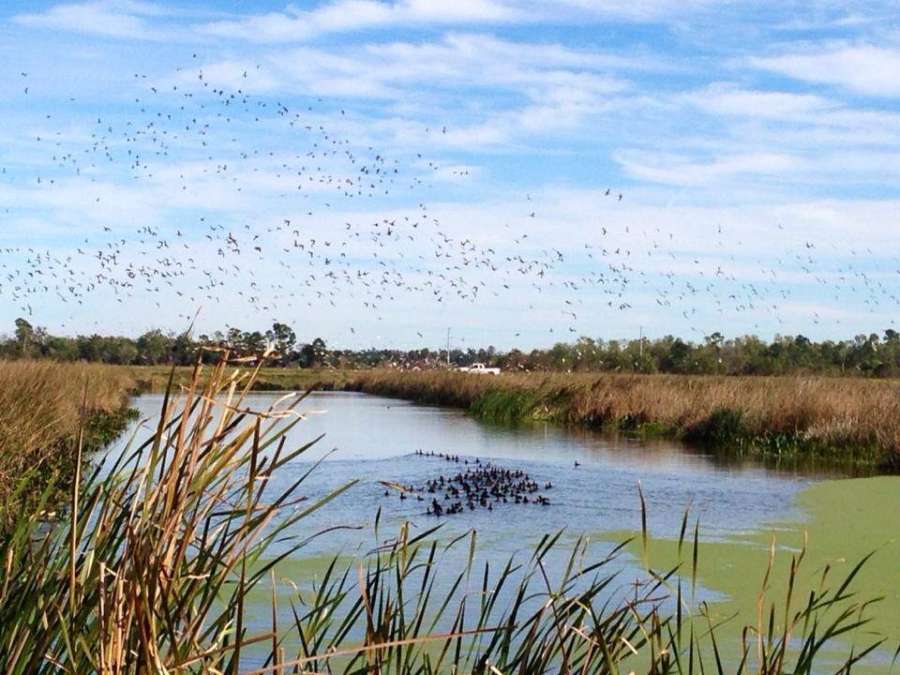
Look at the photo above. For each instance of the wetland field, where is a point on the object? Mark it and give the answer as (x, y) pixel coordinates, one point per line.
(429, 337)
(686, 540)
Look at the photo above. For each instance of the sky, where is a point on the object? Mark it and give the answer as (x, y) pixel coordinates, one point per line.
(378, 172)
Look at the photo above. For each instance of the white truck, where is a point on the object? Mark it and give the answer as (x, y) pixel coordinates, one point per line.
(479, 369)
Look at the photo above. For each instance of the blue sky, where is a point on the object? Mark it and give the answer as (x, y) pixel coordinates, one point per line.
(755, 146)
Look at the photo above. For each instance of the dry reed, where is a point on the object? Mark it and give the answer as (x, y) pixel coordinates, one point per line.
(42, 407)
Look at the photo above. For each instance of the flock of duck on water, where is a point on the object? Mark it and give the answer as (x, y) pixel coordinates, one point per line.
(480, 485)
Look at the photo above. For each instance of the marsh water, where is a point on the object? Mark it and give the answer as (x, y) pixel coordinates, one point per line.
(373, 439)
(594, 477)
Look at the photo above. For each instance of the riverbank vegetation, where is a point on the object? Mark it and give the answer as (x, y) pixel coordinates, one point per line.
(155, 379)
(44, 408)
(866, 355)
(152, 566)
(790, 418)
(849, 420)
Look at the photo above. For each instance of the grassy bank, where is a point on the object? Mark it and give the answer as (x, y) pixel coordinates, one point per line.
(850, 420)
(155, 565)
(853, 420)
(43, 408)
(156, 378)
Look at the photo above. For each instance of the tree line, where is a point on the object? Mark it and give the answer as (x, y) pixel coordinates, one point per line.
(870, 355)
(156, 347)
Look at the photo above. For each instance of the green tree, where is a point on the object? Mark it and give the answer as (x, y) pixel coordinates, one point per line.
(283, 339)
(26, 338)
(184, 351)
(154, 347)
(313, 355)
(253, 343)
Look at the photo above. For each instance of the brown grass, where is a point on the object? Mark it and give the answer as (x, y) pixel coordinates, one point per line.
(156, 378)
(41, 409)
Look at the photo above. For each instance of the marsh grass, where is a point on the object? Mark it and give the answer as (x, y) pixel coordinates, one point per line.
(156, 378)
(843, 419)
(152, 567)
(44, 407)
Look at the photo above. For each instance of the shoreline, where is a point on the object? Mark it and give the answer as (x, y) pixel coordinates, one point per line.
(848, 422)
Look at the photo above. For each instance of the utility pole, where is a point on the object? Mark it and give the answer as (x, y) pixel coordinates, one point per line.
(448, 347)
(641, 349)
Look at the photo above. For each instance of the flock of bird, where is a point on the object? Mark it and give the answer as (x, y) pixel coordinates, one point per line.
(205, 155)
(480, 485)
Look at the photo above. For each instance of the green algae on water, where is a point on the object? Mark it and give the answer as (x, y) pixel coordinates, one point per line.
(845, 520)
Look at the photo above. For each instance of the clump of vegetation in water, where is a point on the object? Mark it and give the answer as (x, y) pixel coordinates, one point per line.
(152, 567)
(103, 427)
(725, 426)
(508, 406)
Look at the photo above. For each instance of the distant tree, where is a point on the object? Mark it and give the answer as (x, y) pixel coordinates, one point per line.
(313, 355)
(154, 347)
(184, 350)
(712, 355)
(26, 337)
(715, 339)
(283, 338)
(62, 348)
(562, 356)
(872, 355)
(678, 360)
(320, 350)
(234, 339)
(253, 343)
(126, 351)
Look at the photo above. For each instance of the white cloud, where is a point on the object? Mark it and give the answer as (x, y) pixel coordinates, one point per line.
(690, 171)
(863, 68)
(534, 88)
(111, 18)
(645, 10)
(352, 15)
(133, 18)
(729, 100)
(472, 60)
